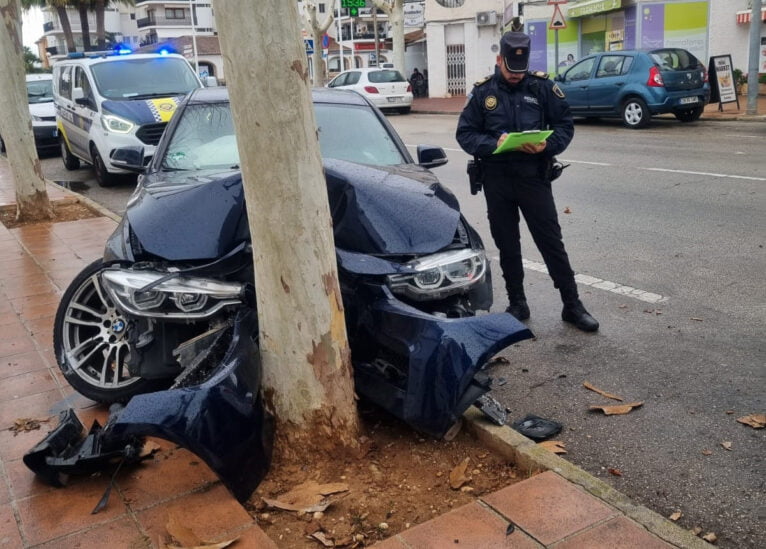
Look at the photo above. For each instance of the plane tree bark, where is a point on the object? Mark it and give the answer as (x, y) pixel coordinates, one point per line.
(32, 202)
(307, 373)
(317, 32)
(395, 11)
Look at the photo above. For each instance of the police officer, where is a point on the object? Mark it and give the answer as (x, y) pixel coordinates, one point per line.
(515, 100)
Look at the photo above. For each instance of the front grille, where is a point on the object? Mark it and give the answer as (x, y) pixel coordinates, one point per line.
(48, 118)
(151, 133)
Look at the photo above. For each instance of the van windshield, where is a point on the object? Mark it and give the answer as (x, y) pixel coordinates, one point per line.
(141, 78)
(40, 91)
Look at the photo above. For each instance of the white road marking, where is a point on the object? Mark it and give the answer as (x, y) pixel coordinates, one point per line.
(706, 174)
(593, 282)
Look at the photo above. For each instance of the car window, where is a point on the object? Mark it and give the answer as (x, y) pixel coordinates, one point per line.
(610, 65)
(64, 83)
(381, 77)
(40, 91)
(356, 134)
(204, 138)
(674, 59)
(338, 81)
(353, 78)
(580, 71)
(132, 78)
(81, 81)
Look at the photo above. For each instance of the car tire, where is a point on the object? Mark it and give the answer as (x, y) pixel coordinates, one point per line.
(71, 162)
(635, 113)
(103, 177)
(689, 115)
(90, 342)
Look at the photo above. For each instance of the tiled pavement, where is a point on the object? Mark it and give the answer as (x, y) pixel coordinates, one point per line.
(36, 264)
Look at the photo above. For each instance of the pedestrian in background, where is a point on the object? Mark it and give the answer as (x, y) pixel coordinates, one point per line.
(514, 99)
(418, 83)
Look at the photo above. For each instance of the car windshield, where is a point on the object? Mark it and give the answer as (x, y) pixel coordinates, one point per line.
(381, 77)
(40, 91)
(674, 59)
(204, 138)
(143, 78)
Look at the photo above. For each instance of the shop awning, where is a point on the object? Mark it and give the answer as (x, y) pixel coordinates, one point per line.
(744, 16)
(590, 7)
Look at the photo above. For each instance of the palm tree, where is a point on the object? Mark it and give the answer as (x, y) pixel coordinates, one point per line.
(60, 6)
(83, 7)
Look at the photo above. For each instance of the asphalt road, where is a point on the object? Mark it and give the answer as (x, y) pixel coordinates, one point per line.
(666, 230)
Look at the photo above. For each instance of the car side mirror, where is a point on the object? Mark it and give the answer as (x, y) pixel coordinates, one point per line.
(431, 157)
(129, 158)
(559, 78)
(210, 81)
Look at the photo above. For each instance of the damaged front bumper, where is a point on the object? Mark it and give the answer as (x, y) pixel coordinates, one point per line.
(422, 368)
(222, 420)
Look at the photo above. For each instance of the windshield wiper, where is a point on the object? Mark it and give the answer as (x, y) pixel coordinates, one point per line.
(155, 94)
(169, 169)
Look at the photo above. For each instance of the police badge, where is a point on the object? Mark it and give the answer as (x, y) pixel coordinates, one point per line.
(490, 103)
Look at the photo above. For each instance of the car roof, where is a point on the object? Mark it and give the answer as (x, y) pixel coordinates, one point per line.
(318, 95)
(89, 58)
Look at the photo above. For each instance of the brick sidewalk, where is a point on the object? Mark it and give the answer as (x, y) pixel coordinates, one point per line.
(37, 262)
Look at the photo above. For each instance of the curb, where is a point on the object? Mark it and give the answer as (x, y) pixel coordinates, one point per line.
(91, 204)
(531, 458)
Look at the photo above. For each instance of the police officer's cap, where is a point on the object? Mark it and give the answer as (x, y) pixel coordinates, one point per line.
(514, 49)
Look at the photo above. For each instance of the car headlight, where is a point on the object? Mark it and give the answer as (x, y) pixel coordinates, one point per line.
(116, 124)
(439, 275)
(181, 297)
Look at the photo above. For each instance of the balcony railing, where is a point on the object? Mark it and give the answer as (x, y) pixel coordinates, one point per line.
(163, 22)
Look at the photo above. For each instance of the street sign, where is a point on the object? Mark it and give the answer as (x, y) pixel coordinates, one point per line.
(557, 21)
(309, 43)
(353, 6)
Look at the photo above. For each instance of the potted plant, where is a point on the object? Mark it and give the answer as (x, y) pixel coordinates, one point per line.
(740, 81)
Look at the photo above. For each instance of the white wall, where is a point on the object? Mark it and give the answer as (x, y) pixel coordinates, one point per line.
(726, 36)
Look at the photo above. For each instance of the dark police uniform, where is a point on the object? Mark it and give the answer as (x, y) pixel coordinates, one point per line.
(518, 181)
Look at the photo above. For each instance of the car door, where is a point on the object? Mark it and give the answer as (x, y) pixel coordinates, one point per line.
(605, 87)
(575, 83)
(65, 111)
(84, 110)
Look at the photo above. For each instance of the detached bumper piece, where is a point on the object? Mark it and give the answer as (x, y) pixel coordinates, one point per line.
(424, 369)
(221, 420)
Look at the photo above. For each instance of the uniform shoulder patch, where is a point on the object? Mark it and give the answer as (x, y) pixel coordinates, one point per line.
(539, 74)
(482, 81)
(557, 91)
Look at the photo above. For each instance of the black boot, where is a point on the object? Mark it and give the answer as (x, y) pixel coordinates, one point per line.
(518, 307)
(575, 312)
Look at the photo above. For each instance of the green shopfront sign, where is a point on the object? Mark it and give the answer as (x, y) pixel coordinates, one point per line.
(589, 7)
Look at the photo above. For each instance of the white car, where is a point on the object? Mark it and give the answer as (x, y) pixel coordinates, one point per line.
(42, 111)
(386, 88)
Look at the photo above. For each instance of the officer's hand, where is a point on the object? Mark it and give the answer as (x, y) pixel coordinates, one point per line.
(501, 139)
(530, 148)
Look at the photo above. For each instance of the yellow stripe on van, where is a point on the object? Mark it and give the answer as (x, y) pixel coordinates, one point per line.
(162, 109)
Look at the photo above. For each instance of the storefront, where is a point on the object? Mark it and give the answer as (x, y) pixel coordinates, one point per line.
(611, 25)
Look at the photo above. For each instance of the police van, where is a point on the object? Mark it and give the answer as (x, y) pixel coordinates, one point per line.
(109, 100)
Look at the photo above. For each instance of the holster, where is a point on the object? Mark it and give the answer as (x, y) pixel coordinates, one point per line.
(475, 174)
(553, 169)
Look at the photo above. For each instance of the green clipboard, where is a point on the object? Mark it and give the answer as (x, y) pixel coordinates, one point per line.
(516, 139)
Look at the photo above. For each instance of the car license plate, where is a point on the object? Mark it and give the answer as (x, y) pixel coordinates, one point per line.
(393, 99)
(687, 100)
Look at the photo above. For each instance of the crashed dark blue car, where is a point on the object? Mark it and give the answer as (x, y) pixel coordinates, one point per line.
(165, 325)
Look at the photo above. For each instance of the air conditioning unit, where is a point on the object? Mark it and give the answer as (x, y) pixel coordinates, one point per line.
(484, 18)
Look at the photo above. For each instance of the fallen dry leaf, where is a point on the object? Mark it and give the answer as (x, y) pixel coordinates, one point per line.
(618, 409)
(308, 497)
(457, 476)
(323, 539)
(726, 445)
(25, 424)
(615, 472)
(675, 516)
(756, 421)
(567, 210)
(219, 545)
(697, 319)
(149, 448)
(555, 446)
(706, 452)
(587, 385)
(697, 530)
(623, 306)
(498, 360)
(710, 537)
(181, 533)
(729, 412)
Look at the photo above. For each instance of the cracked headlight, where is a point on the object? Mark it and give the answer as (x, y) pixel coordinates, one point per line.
(180, 297)
(439, 275)
(116, 124)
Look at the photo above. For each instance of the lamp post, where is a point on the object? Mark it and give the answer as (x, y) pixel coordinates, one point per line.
(194, 38)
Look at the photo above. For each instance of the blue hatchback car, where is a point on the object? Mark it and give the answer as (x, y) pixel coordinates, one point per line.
(635, 85)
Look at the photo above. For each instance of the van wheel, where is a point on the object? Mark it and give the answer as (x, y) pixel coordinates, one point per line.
(689, 115)
(635, 113)
(71, 162)
(103, 178)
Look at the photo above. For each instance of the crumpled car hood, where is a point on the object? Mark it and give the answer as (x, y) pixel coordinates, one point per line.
(389, 210)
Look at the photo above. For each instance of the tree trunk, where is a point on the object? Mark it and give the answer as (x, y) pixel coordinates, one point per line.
(304, 349)
(15, 125)
(100, 6)
(395, 11)
(67, 28)
(317, 32)
(84, 26)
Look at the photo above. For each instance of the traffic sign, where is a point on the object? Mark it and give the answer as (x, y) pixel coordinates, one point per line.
(557, 21)
(309, 43)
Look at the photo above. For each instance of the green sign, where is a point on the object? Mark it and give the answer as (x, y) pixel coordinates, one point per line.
(353, 6)
(589, 7)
